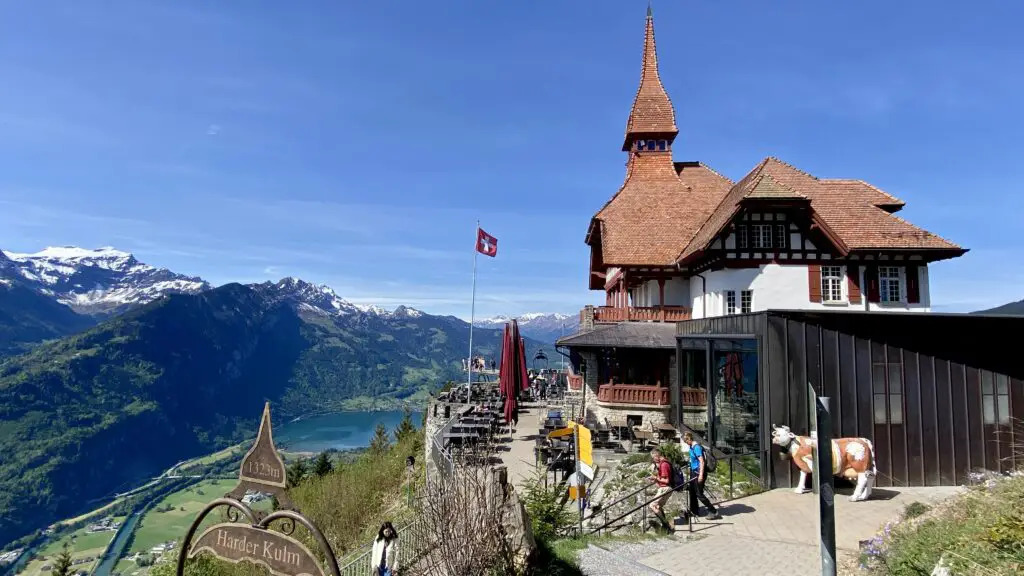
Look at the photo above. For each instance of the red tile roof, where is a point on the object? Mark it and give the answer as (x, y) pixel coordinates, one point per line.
(652, 111)
(656, 212)
(852, 209)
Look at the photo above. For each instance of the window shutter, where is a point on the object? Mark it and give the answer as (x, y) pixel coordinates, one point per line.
(814, 282)
(913, 284)
(871, 278)
(853, 283)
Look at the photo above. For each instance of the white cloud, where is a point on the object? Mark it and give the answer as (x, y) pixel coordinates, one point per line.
(213, 130)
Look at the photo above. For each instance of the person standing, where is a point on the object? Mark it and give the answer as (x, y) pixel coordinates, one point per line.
(385, 551)
(663, 477)
(698, 477)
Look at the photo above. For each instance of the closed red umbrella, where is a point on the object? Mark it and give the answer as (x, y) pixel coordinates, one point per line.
(513, 372)
(524, 375)
(506, 373)
(503, 374)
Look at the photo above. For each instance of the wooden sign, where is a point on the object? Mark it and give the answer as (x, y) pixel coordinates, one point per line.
(262, 467)
(280, 554)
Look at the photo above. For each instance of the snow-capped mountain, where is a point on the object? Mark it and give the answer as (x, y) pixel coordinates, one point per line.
(95, 282)
(321, 299)
(308, 296)
(537, 325)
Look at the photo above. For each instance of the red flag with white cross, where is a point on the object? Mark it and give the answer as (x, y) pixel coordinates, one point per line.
(486, 244)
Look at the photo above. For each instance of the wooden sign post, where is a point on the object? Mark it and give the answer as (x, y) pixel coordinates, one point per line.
(247, 536)
(262, 467)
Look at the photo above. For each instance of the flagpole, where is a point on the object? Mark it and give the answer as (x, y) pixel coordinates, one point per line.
(472, 316)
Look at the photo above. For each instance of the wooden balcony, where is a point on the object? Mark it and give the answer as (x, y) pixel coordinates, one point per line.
(694, 397)
(633, 394)
(612, 315)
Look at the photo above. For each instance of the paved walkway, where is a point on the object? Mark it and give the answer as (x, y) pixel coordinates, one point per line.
(519, 458)
(777, 533)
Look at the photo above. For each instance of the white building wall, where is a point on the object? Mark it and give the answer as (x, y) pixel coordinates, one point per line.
(785, 287)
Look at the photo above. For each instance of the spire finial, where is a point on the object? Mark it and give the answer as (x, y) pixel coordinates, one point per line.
(652, 115)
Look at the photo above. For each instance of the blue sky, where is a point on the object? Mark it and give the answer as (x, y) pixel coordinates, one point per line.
(355, 143)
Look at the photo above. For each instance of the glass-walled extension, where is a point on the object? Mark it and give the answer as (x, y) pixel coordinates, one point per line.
(719, 400)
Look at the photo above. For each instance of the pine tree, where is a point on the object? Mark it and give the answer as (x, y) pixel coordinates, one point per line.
(380, 443)
(322, 465)
(62, 565)
(297, 472)
(405, 428)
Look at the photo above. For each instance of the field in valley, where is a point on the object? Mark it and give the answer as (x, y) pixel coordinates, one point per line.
(83, 544)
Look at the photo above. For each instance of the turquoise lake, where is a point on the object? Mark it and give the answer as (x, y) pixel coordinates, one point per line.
(340, 431)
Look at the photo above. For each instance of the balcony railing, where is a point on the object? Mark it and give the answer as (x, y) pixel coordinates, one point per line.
(609, 314)
(633, 394)
(694, 397)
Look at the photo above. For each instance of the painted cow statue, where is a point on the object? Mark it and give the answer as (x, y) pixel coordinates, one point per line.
(852, 458)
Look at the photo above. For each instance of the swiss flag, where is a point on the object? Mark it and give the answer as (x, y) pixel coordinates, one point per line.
(486, 244)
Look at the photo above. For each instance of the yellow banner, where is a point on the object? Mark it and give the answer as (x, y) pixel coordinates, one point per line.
(586, 453)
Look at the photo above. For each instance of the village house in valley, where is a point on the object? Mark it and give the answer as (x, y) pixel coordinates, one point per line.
(725, 299)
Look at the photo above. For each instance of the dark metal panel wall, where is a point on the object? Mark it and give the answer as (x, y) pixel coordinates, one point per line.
(897, 431)
(939, 434)
(880, 430)
(990, 431)
(777, 393)
(913, 419)
(1017, 421)
(976, 428)
(830, 378)
(848, 403)
(962, 460)
(948, 450)
(796, 352)
(929, 421)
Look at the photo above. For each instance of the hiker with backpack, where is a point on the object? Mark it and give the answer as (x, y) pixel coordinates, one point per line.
(663, 477)
(701, 463)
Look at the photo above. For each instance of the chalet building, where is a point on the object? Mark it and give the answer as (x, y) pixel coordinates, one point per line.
(686, 257)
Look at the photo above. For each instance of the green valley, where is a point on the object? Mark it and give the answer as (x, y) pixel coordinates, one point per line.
(101, 411)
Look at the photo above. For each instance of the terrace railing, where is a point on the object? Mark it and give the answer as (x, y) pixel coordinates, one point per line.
(413, 542)
(611, 314)
(633, 394)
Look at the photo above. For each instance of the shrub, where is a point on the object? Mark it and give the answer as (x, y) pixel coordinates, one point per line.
(978, 532)
(548, 517)
(915, 509)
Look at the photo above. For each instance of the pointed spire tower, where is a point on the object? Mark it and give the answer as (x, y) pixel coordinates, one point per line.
(652, 121)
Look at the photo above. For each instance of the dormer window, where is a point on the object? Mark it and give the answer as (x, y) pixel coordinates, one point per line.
(651, 145)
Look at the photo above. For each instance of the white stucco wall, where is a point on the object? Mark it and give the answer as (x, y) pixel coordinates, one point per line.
(677, 293)
(785, 287)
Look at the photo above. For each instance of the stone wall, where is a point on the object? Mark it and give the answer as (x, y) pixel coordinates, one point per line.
(439, 414)
(650, 414)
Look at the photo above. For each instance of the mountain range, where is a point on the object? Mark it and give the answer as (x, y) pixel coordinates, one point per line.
(115, 369)
(542, 327)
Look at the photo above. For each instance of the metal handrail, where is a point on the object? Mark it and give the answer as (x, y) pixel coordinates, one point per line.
(638, 507)
(627, 496)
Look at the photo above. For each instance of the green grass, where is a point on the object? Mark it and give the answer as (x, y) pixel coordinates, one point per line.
(159, 527)
(978, 532)
(348, 505)
(225, 454)
(83, 544)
